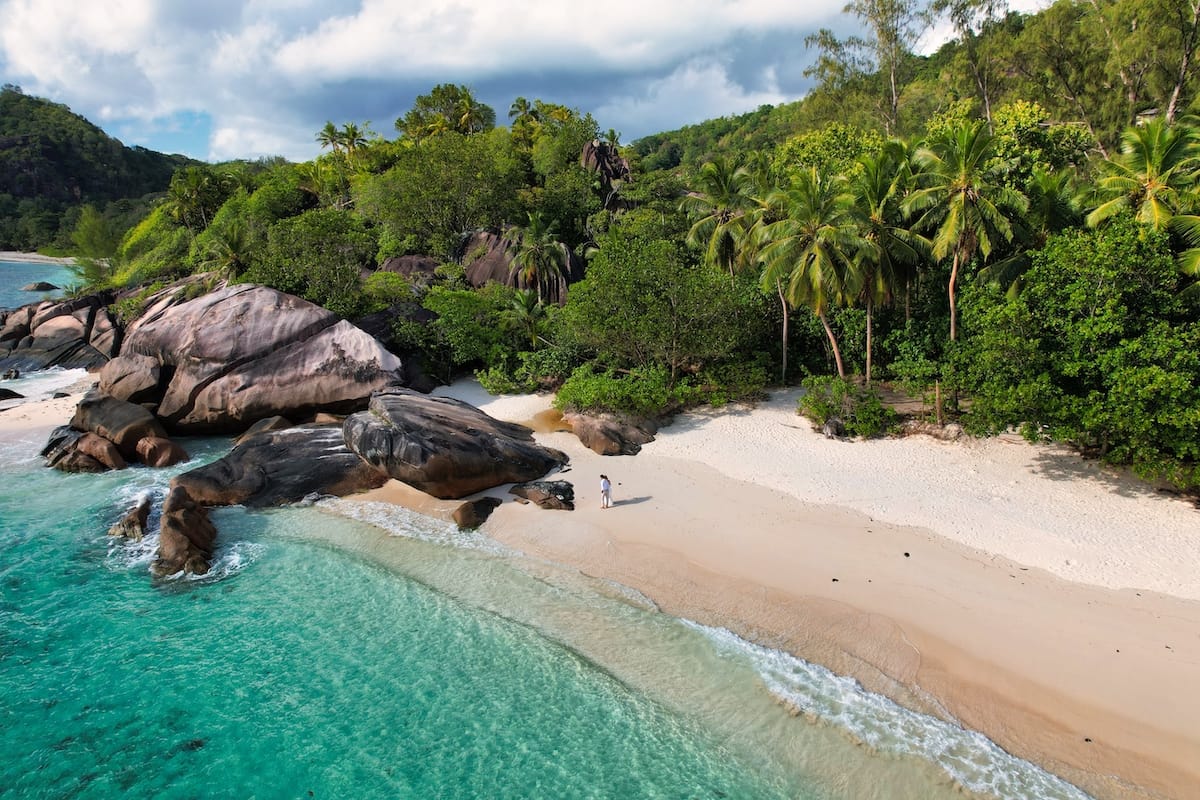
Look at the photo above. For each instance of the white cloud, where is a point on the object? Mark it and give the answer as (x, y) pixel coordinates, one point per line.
(698, 90)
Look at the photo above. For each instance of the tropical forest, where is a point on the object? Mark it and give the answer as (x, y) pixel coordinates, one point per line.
(1006, 229)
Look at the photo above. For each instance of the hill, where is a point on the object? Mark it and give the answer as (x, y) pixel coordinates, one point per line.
(53, 161)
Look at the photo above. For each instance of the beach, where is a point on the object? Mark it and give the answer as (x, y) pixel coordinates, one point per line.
(34, 258)
(1028, 594)
(1024, 593)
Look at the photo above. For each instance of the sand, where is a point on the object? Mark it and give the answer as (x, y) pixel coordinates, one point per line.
(1052, 605)
(37, 258)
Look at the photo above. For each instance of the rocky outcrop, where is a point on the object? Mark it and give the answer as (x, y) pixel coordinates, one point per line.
(79, 332)
(555, 495)
(275, 423)
(611, 434)
(9, 394)
(245, 353)
(124, 424)
(101, 450)
(40, 286)
(487, 258)
(605, 160)
(445, 447)
(62, 452)
(154, 451)
(472, 514)
(186, 537)
(415, 268)
(132, 526)
(273, 468)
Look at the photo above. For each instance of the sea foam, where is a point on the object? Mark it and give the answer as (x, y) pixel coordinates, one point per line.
(972, 760)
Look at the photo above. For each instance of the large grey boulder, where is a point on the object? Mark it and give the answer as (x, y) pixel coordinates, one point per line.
(487, 258)
(124, 424)
(79, 332)
(186, 536)
(277, 467)
(445, 447)
(611, 434)
(244, 353)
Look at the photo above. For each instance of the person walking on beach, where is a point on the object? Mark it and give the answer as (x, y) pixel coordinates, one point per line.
(605, 492)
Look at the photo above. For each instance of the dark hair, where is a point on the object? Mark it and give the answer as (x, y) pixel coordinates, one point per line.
(604, 476)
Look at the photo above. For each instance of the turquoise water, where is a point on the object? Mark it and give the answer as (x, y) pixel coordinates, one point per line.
(328, 657)
(15, 274)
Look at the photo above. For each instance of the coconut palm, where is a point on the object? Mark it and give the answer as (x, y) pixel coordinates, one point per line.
(539, 259)
(892, 254)
(1151, 176)
(330, 137)
(720, 207)
(809, 254)
(525, 313)
(961, 201)
(352, 138)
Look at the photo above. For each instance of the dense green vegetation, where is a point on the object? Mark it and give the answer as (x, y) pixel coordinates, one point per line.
(54, 163)
(1009, 226)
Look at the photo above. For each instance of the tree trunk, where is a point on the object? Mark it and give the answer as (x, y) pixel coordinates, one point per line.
(837, 353)
(868, 342)
(1188, 33)
(783, 306)
(953, 304)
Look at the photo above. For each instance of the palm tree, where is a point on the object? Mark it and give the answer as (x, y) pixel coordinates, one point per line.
(720, 207)
(352, 138)
(809, 254)
(892, 252)
(961, 201)
(228, 251)
(1150, 176)
(539, 259)
(330, 137)
(525, 313)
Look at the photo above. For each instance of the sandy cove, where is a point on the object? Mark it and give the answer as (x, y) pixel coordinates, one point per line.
(1030, 595)
(35, 258)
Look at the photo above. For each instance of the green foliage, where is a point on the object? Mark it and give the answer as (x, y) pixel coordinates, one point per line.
(860, 410)
(644, 391)
(442, 188)
(317, 255)
(448, 108)
(469, 330)
(93, 236)
(835, 149)
(52, 161)
(383, 289)
(644, 304)
(1093, 351)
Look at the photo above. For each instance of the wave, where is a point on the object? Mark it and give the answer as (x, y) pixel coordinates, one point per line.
(400, 521)
(972, 760)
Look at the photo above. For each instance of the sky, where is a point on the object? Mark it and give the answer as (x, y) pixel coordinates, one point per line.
(224, 79)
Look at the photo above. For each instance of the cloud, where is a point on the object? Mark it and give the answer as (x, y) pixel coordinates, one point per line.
(697, 90)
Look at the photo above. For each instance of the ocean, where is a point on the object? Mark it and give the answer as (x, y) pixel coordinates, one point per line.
(351, 650)
(15, 274)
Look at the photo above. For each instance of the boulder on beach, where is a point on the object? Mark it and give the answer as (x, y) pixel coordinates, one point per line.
(155, 451)
(554, 495)
(277, 467)
(244, 353)
(62, 452)
(611, 434)
(473, 513)
(9, 394)
(102, 450)
(445, 447)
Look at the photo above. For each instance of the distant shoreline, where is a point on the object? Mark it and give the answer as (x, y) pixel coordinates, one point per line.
(34, 258)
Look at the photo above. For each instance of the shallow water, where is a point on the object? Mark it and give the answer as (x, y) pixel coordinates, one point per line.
(15, 274)
(330, 656)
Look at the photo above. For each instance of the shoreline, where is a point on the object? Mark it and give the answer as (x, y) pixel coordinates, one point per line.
(34, 258)
(1093, 683)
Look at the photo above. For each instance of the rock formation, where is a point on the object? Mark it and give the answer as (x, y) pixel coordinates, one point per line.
(486, 258)
(124, 424)
(445, 447)
(243, 353)
(62, 452)
(277, 467)
(40, 286)
(79, 332)
(556, 495)
(611, 434)
(605, 160)
(185, 541)
(473, 513)
(132, 526)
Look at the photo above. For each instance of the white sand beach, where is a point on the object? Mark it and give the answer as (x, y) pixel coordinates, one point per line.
(36, 258)
(1033, 596)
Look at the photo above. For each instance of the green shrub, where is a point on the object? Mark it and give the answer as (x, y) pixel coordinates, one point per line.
(645, 391)
(860, 410)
